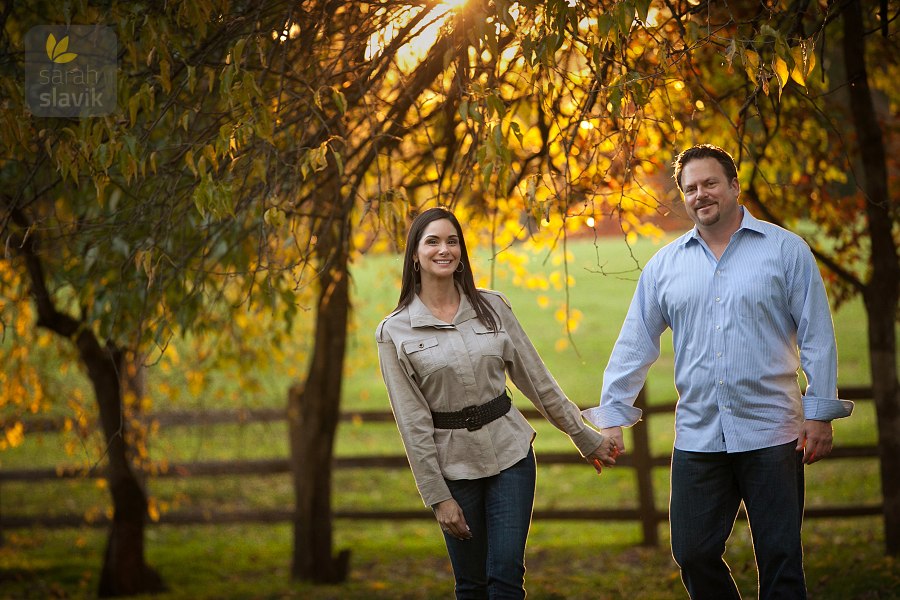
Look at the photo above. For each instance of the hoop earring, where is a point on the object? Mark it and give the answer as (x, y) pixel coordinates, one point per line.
(460, 267)
(416, 266)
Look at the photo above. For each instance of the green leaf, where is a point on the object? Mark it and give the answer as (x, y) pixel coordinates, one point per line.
(237, 52)
(487, 169)
(476, 114)
(338, 161)
(517, 131)
(642, 7)
(274, 217)
(339, 100)
(464, 110)
(624, 18)
(496, 103)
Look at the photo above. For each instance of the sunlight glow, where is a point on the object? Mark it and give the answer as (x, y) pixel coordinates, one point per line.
(421, 40)
(289, 32)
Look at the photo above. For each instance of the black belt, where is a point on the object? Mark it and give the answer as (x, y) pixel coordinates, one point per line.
(473, 417)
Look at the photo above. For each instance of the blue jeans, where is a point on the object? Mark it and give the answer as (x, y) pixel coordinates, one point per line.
(707, 489)
(498, 511)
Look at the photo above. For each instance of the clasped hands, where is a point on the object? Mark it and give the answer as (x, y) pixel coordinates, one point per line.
(609, 449)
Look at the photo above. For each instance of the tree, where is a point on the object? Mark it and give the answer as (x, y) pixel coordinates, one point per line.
(120, 227)
(260, 147)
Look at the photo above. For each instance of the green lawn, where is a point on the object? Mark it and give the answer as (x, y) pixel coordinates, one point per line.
(407, 560)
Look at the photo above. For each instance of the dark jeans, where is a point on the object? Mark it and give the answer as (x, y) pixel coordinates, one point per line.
(707, 489)
(498, 511)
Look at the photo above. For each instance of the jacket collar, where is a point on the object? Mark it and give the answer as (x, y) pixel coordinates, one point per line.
(420, 316)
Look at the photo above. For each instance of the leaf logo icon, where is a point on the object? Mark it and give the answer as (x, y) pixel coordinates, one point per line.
(56, 51)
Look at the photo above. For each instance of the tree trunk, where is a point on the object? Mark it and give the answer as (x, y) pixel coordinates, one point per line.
(124, 571)
(313, 413)
(881, 292)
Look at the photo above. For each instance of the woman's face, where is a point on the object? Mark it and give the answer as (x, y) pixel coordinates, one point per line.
(438, 251)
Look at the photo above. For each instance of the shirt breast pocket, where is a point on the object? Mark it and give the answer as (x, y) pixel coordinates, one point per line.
(424, 355)
(490, 343)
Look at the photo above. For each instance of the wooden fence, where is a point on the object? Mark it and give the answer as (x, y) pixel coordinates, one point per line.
(639, 458)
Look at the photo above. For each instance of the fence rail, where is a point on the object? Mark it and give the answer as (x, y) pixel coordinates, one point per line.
(639, 458)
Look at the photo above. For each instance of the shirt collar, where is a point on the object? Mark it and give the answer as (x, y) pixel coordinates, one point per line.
(748, 222)
(420, 316)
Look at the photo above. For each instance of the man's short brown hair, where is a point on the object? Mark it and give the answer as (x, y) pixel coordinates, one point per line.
(705, 151)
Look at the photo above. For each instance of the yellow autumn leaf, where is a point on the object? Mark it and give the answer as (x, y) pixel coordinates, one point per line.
(165, 77)
(781, 71)
(804, 62)
(15, 435)
(810, 62)
(152, 509)
(195, 383)
(751, 64)
(189, 160)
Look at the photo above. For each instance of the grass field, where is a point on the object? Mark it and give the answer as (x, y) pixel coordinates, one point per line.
(570, 560)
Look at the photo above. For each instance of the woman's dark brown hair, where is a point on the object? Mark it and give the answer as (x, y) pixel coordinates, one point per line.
(486, 313)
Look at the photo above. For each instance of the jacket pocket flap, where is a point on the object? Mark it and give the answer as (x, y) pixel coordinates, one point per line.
(481, 329)
(411, 346)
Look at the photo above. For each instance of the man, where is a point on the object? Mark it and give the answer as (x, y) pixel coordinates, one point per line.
(747, 308)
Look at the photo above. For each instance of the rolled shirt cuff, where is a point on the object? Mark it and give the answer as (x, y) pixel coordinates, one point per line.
(612, 415)
(825, 409)
(587, 440)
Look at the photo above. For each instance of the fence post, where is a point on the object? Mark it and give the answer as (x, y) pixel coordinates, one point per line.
(643, 470)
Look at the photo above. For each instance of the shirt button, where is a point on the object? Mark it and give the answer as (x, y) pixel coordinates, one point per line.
(718, 354)
(717, 299)
(718, 328)
(721, 382)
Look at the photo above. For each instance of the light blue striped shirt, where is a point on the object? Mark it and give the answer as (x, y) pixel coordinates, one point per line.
(742, 326)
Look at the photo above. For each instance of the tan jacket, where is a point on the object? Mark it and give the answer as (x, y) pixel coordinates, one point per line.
(429, 365)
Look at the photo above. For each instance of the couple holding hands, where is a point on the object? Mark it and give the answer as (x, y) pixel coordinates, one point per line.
(747, 308)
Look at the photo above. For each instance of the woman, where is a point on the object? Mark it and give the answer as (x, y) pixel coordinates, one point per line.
(445, 353)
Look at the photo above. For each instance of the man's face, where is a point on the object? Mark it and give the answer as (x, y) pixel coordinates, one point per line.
(709, 197)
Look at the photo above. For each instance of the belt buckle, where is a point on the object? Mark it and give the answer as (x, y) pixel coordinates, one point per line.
(470, 418)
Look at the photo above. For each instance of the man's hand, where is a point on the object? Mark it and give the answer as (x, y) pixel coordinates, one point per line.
(451, 519)
(815, 440)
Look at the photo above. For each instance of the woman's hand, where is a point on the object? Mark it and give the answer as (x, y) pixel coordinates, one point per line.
(451, 519)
